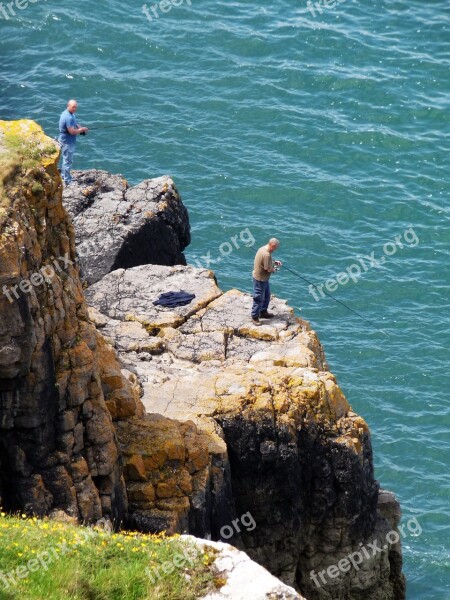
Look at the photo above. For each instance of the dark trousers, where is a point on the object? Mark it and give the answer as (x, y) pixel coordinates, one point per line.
(261, 297)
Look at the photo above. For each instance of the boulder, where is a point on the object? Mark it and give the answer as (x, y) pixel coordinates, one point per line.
(118, 226)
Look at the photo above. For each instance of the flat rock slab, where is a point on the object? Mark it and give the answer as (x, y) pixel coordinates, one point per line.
(128, 294)
(118, 226)
(207, 356)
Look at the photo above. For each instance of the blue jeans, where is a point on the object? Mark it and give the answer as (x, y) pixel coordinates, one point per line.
(261, 297)
(68, 151)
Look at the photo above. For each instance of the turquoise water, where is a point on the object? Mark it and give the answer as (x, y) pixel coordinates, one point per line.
(331, 133)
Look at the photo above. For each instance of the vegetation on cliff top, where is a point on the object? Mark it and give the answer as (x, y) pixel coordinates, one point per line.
(55, 560)
(26, 141)
(24, 150)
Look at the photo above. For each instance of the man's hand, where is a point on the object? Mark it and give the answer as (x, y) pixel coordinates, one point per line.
(83, 130)
(277, 264)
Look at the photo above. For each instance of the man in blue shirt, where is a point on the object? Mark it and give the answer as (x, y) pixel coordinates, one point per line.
(68, 131)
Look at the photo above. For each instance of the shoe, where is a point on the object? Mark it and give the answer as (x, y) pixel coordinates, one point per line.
(256, 321)
(265, 314)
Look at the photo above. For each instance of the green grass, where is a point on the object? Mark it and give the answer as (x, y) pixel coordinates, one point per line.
(21, 164)
(58, 561)
(22, 153)
(30, 151)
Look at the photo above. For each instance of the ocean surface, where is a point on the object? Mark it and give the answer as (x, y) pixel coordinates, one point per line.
(327, 128)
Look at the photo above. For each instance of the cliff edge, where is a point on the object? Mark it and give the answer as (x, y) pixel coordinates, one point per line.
(188, 419)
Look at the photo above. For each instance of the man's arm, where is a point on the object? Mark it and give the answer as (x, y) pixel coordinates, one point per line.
(73, 128)
(271, 266)
(267, 264)
(77, 130)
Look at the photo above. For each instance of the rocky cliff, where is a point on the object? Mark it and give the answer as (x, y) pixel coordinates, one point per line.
(118, 226)
(188, 419)
(58, 447)
(286, 447)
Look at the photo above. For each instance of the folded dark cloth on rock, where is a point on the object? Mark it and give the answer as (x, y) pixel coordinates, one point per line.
(172, 299)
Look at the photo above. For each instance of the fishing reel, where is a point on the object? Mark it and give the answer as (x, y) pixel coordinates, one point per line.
(277, 264)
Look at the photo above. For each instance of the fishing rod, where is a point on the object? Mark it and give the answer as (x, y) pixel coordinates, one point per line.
(113, 126)
(110, 126)
(336, 300)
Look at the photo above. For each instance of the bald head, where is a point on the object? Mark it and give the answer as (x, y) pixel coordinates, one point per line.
(72, 106)
(273, 244)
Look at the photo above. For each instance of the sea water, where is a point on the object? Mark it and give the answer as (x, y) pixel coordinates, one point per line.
(325, 124)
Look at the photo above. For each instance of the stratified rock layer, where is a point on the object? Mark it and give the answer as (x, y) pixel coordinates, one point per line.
(117, 226)
(299, 460)
(58, 448)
